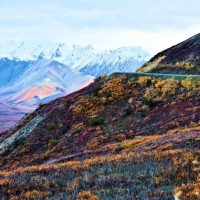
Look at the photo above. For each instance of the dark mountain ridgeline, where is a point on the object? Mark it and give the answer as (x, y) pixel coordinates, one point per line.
(183, 58)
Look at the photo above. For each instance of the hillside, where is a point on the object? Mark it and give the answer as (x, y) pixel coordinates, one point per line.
(110, 140)
(183, 58)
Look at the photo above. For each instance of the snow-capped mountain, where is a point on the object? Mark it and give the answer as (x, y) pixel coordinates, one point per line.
(85, 59)
(126, 59)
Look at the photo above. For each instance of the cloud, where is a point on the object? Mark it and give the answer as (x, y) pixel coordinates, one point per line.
(102, 23)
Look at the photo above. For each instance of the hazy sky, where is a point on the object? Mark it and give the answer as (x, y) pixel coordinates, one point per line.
(105, 24)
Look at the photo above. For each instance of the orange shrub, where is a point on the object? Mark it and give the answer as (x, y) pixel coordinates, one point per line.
(114, 90)
(188, 84)
(86, 195)
(35, 194)
(144, 80)
(166, 87)
(87, 107)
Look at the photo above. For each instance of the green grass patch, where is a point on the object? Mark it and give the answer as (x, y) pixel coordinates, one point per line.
(97, 121)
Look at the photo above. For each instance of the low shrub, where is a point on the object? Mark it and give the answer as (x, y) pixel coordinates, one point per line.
(53, 141)
(52, 126)
(78, 127)
(149, 102)
(144, 81)
(97, 121)
(86, 195)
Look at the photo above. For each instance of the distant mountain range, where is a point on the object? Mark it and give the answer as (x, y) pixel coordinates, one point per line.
(26, 84)
(34, 82)
(85, 59)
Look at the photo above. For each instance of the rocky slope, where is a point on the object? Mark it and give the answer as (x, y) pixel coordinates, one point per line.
(108, 141)
(183, 58)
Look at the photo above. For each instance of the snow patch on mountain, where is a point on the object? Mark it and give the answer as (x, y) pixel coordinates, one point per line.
(85, 59)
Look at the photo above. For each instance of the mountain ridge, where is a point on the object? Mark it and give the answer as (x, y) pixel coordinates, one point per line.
(85, 59)
(182, 58)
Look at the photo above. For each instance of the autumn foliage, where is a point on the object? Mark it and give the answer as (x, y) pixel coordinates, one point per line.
(110, 141)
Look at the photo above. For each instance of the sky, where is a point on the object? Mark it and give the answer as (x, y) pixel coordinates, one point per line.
(104, 24)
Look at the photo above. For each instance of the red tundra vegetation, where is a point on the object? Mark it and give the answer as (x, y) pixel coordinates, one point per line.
(122, 137)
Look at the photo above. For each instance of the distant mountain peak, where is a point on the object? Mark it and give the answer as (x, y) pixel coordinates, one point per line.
(83, 58)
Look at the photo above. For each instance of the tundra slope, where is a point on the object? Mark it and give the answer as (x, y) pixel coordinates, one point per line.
(182, 58)
(108, 138)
